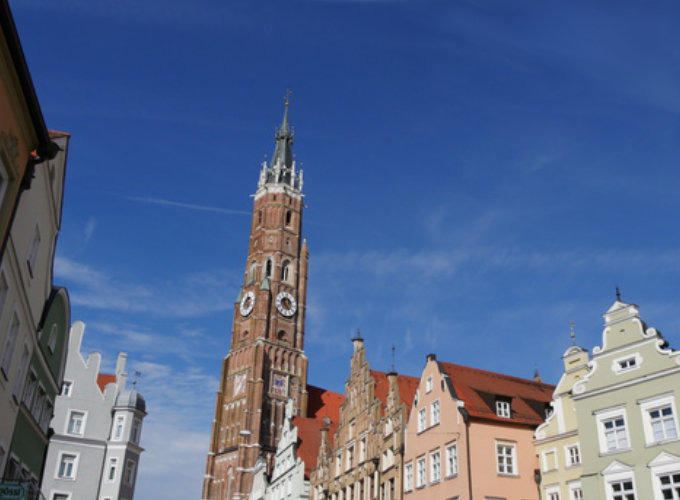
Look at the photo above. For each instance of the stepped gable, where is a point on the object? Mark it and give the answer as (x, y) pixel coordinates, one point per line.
(323, 403)
(479, 388)
(103, 379)
(407, 388)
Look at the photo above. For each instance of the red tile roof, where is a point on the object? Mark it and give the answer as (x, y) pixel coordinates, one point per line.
(309, 439)
(479, 389)
(56, 133)
(105, 378)
(322, 403)
(407, 387)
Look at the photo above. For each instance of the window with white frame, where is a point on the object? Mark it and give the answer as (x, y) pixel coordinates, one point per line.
(350, 456)
(451, 459)
(622, 489)
(408, 477)
(118, 427)
(549, 460)
(612, 431)
(129, 476)
(67, 466)
(9, 345)
(32, 256)
(362, 448)
(506, 458)
(573, 455)
(420, 472)
(552, 493)
(422, 419)
(113, 468)
(669, 485)
(76, 423)
(136, 430)
(61, 496)
(20, 376)
(626, 364)
(428, 385)
(659, 419)
(503, 408)
(434, 412)
(338, 464)
(66, 388)
(575, 491)
(435, 467)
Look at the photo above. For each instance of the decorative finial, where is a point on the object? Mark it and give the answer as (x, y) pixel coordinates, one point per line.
(286, 97)
(358, 336)
(393, 359)
(572, 334)
(618, 293)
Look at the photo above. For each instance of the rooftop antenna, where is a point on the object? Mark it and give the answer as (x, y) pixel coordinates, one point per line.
(135, 375)
(393, 359)
(287, 96)
(572, 334)
(618, 293)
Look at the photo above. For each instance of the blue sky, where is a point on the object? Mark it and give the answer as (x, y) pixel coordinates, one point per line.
(478, 175)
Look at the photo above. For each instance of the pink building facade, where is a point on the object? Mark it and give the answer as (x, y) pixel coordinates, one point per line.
(470, 435)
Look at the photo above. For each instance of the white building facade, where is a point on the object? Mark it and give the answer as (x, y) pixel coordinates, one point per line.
(94, 452)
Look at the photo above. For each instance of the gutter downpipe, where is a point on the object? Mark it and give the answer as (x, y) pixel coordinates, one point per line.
(466, 419)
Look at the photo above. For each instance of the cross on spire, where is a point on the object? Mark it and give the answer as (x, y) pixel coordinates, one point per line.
(618, 293)
(572, 334)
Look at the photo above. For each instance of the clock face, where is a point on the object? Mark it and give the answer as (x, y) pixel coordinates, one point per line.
(285, 303)
(247, 303)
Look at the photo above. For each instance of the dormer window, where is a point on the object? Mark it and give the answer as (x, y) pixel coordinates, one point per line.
(503, 407)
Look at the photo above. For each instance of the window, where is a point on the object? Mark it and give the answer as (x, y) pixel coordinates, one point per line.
(118, 428)
(575, 492)
(285, 270)
(113, 466)
(408, 477)
(629, 363)
(362, 449)
(503, 408)
(9, 345)
(47, 415)
(338, 464)
(129, 476)
(622, 490)
(435, 467)
(20, 375)
(451, 460)
(268, 269)
(421, 419)
(32, 256)
(288, 217)
(505, 459)
(659, 418)
(67, 466)
(29, 390)
(252, 272)
(136, 430)
(350, 456)
(61, 496)
(66, 388)
(4, 291)
(552, 493)
(420, 473)
(549, 460)
(573, 455)
(428, 385)
(76, 423)
(670, 486)
(52, 339)
(615, 434)
(435, 413)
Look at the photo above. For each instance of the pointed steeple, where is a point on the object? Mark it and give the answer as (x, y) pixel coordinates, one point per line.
(280, 171)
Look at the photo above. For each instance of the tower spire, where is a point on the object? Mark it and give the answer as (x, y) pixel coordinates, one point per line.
(283, 155)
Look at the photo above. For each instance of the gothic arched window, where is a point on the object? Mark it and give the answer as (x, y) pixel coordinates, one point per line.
(285, 270)
(252, 271)
(268, 269)
(288, 217)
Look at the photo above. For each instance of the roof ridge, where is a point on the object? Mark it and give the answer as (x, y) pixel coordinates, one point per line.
(499, 375)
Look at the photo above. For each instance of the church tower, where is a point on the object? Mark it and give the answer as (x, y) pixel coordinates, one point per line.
(266, 363)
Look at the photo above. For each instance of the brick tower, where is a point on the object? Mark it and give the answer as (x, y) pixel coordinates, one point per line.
(266, 363)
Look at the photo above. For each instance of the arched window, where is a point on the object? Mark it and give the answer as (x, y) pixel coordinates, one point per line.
(259, 217)
(268, 269)
(288, 217)
(285, 270)
(252, 271)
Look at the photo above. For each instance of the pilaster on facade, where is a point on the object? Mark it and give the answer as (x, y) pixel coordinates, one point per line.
(627, 409)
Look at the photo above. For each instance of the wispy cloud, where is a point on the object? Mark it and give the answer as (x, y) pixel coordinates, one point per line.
(190, 206)
(202, 293)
